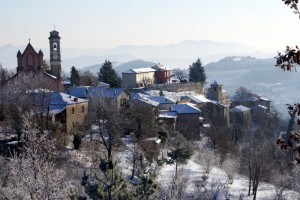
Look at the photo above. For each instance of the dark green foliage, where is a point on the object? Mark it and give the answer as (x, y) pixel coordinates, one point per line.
(146, 187)
(161, 92)
(108, 75)
(197, 72)
(4, 75)
(163, 135)
(109, 185)
(180, 155)
(75, 77)
(77, 140)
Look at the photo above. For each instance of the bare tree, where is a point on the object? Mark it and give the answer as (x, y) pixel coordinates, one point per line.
(33, 174)
(230, 166)
(207, 158)
(180, 74)
(242, 96)
(88, 79)
(213, 190)
(105, 114)
(256, 162)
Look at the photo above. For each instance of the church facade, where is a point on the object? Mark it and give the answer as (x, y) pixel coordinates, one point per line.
(32, 63)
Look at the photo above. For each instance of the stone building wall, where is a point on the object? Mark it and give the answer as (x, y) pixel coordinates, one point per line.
(75, 114)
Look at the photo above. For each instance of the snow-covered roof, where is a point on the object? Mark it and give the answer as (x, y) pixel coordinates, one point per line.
(239, 108)
(54, 101)
(198, 98)
(206, 125)
(264, 99)
(84, 91)
(50, 75)
(87, 91)
(154, 139)
(161, 99)
(253, 98)
(260, 106)
(167, 114)
(185, 108)
(160, 67)
(143, 99)
(112, 92)
(139, 70)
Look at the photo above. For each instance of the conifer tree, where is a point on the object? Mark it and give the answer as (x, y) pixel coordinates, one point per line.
(108, 75)
(197, 72)
(75, 78)
(109, 185)
(146, 187)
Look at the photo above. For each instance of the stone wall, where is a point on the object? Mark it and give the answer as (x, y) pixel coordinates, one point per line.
(178, 87)
(73, 119)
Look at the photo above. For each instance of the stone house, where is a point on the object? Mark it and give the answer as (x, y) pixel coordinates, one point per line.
(59, 107)
(168, 118)
(240, 116)
(67, 110)
(141, 77)
(260, 113)
(188, 117)
(162, 74)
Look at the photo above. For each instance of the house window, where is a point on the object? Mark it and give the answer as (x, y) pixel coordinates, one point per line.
(82, 109)
(73, 111)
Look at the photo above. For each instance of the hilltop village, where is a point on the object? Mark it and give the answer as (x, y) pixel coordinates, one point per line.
(131, 136)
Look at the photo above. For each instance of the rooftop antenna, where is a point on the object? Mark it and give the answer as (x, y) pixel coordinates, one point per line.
(29, 40)
(54, 26)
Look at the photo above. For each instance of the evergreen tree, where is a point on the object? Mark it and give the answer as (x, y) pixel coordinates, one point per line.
(146, 187)
(108, 75)
(77, 140)
(179, 155)
(197, 72)
(110, 185)
(75, 78)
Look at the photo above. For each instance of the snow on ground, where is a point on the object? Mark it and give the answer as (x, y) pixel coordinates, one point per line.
(193, 172)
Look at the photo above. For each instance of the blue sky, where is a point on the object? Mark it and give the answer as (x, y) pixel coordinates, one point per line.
(266, 24)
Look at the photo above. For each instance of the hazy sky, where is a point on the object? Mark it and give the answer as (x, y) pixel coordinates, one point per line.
(267, 24)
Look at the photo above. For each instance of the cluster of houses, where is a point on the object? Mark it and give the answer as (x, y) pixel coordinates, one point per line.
(189, 110)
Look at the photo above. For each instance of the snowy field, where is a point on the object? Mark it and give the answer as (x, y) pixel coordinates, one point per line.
(239, 188)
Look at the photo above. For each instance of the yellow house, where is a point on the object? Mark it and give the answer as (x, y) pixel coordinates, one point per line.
(140, 77)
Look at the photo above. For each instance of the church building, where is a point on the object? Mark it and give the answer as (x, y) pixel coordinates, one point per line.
(31, 62)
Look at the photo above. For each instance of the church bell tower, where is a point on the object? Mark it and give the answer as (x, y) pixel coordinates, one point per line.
(55, 59)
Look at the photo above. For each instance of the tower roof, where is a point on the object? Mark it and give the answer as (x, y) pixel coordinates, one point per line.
(54, 34)
(19, 53)
(215, 83)
(40, 52)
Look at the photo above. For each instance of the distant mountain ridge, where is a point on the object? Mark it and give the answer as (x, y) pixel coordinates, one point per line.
(180, 55)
